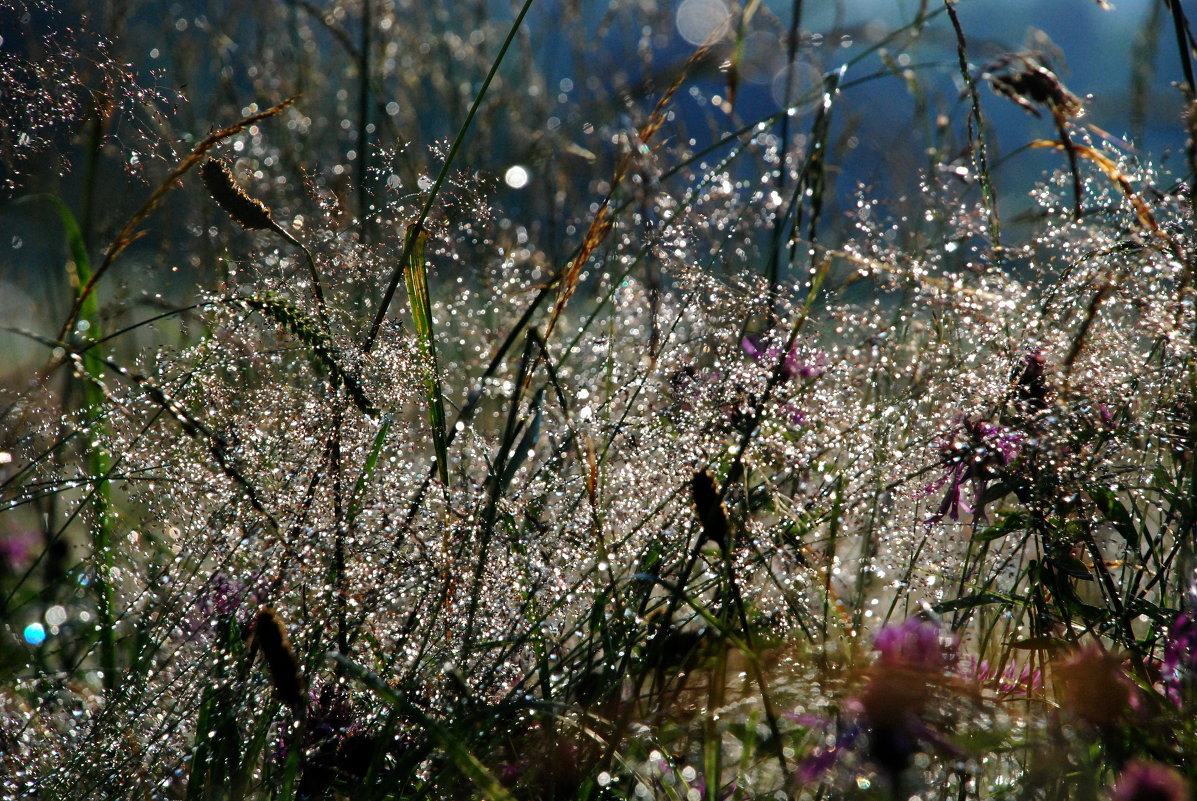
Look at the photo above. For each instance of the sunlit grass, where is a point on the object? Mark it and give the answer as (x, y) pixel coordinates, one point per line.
(664, 477)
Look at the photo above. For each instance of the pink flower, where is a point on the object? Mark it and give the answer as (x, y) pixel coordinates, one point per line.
(17, 549)
(977, 452)
(795, 365)
(1013, 680)
(1150, 781)
(1094, 687)
(1180, 660)
(888, 715)
(913, 643)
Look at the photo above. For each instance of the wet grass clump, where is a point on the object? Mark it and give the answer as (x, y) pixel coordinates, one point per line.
(518, 436)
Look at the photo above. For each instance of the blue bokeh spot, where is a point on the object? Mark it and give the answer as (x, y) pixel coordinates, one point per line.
(35, 634)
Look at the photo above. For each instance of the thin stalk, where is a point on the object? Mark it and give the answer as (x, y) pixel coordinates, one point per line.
(976, 133)
(782, 168)
(95, 399)
(363, 122)
(1184, 46)
(397, 273)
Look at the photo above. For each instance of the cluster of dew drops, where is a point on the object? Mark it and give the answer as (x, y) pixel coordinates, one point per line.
(662, 366)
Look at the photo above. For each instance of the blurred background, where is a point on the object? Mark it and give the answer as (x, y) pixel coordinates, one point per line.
(101, 99)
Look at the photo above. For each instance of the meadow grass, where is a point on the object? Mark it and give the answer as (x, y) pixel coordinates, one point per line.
(692, 475)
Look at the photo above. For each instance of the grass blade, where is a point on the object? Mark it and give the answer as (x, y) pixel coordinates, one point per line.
(359, 487)
(416, 278)
(98, 463)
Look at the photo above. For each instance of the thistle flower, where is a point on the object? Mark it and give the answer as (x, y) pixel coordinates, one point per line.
(221, 600)
(795, 365)
(1094, 687)
(889, 714)
(1014, 680)
(336, 745)
(914, 643)
(17, 549)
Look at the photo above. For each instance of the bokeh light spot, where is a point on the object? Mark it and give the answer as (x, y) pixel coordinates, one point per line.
(699, 20)
(35, 634)
(516, 177)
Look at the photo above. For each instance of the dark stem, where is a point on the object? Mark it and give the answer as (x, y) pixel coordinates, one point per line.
(778, 221)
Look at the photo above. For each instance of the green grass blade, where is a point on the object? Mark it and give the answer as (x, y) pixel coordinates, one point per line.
(359, 487)
(98, 462)
(526, 444)
(416, 278)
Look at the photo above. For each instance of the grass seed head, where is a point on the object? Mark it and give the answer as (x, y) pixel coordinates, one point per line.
(1030, 83)
(249, 213)
(271, 637)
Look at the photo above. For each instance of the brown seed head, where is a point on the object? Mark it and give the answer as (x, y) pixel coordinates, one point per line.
(271, 637)
(247, 212)
(1028, 82)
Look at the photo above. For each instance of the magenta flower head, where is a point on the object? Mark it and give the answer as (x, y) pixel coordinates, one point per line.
(975, 452)
(1150, 781)
(888, 723)
(1014, 680)
(17, 549)
(1094, 687)
(913, 643)
(807, 366)
(754, 347)
(1180, 660)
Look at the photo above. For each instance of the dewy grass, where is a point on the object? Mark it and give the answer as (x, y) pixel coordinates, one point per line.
(900, 511)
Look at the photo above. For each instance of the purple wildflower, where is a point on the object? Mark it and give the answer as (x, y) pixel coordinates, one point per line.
(1180, 659)
(797, 416)
(1150, 781)
(1014, 680)
(1106, 415)
(17, 549)
(795, 365)
(952, 503)
(220, 600)
(888, 715)
(1094, 687)
(751, 343)
(821, 760)
(812, 367)
(913, 643)
(337, 748)
(225, 596)
(976, 452)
